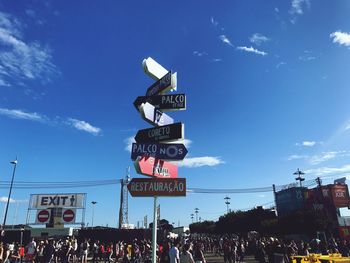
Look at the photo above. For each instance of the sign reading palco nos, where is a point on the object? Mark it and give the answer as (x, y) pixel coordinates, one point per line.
(146, 187)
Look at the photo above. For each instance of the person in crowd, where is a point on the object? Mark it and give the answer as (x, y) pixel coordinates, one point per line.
(186, 256)
(174, 254)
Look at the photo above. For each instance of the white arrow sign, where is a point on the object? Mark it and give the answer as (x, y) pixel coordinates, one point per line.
(156, 71)
(155, 117)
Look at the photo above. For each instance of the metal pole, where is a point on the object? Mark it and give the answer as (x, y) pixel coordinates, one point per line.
(9, 197)
(93, 212)
(154, 232)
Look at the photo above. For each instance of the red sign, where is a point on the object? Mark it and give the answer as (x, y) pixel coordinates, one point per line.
(340, 195)
(68, 216)
(150, 166)
(43, 216)
(344, 232)
(148, 187)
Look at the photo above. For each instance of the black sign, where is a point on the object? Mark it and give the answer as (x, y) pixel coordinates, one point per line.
(162, 85)
(170, 151)
(163, 102)
(170, 132)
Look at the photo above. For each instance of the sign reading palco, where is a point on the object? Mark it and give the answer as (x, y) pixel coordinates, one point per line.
(174, 151)
(42, 201)
(159, 187)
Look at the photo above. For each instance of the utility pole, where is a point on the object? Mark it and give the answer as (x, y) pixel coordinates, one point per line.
(227, 202)
(299, 178)
(196, 211)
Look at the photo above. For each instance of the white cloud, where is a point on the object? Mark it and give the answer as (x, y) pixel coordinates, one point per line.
(214, 22)
(224, 39)
(297, 6)
(252, 50)
(84, 126)
(326, 156)
(216, 59)
(4, 199)
(280, 64)
(329, 170)
(20, 60)
(258, 39)
(19, 114)
(308, 143)
(194, 162)
(128, 143)
(199, 54)
(347, 127)
(341, 38)
(297, 157)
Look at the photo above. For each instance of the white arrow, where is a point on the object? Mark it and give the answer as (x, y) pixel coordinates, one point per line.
(155, 117)
(156, 71)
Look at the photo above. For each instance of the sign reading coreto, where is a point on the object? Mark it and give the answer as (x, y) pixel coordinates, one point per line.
(68, 216)
(170, 132)
(148, 187)
(174, 151)
(165, 84)
(169, 102)
(43, 201)
(153, 116)
(43, 216)
(155, 167)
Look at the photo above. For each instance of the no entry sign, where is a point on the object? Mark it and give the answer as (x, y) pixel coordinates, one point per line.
(68, 216)
(43, 216)
(148, 187)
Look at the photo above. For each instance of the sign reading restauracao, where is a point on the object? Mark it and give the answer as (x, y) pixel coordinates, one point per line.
(149, 187)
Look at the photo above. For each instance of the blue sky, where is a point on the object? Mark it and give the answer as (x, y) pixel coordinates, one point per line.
(266, 84)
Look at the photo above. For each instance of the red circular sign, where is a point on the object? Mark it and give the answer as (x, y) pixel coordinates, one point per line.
(43, 216)
(68, 216)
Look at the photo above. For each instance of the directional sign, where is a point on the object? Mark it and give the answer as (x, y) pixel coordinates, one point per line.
(165, 133)
(163, 85)
(149, 187)
(151, 166)
(170, 102)
(153, 69)
(43, 216)
(68, 216)
(153, 116)
(174, 151)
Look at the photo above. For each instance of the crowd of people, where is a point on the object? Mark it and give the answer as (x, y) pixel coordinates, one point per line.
(232, 248)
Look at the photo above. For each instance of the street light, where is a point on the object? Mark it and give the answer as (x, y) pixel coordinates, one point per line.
(299, 178)
(227, 202)
(10, 191)
(192, 216)
(196, 210)
(93, 210)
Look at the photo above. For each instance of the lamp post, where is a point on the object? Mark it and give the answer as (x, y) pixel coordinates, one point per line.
(192, 216)
(299, 178)
(93, 212)
(227, 202)
(10, 191)
(196, 210)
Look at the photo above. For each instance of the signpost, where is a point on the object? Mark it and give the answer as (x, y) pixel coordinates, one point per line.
(155, 167)
(176, 151)
(164, 133)
(148, 187)
(148, 153)
(153, 116)
(170, 102)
